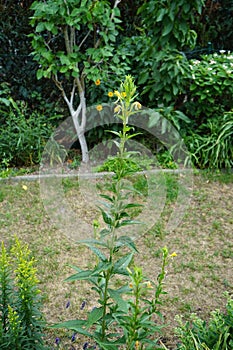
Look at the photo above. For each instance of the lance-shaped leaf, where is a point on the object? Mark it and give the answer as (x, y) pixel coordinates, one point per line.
(94, 316)
(74, 325)
(122, 304)
(120, 265)
(128, 222)
(126, 241)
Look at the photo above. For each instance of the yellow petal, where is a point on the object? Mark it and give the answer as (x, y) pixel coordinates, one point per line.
(173, 255)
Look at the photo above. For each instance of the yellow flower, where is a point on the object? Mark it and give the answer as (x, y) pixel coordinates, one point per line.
(24, 187)
(173, 255)
(117, 109)
(149, 285)
(131, 285)
(123, 94)
(117, 93)
(110, 94)
(99, 108)
(137, 345)
(137, 105)
(97, 82)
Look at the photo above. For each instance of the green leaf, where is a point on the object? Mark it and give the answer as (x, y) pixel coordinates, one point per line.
(106, 217)
(49, 26)
(114, 132)
(47, 55)
(93, 241)
(74, 325)
(168, 29)
(64, 60)
(133, 205)
(122, 263)
(5, 101)
(112, 37)
(110, 199)
(83, 275)
(161, 14)
(40, 27)
(154, 119)
(128, 222)
(126, 241)
(104, 232)
(143, 77)
(39, 74)
(122, 304)
(182, 116)
(94, 316)
(97, 252)
(112, 345)
(186, 7)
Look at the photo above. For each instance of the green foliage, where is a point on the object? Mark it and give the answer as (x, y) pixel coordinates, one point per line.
(17, 67)
(23, 134)
(166, 118)
(172, 19)
(113, 163)
(209, 106)
(89, 30)
(167, 78)
(211, 87)
(21, 319)
(217, 334)
(75, 42)
(215, 24)
(123, 317)
(160, 65)
(212, 143)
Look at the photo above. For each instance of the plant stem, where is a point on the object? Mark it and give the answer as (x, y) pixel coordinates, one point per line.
(105, 299)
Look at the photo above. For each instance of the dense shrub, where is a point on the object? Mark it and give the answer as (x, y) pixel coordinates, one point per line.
(23, 133)
(209, 92)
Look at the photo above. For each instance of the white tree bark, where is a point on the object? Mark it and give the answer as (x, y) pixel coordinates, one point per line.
(78, 115)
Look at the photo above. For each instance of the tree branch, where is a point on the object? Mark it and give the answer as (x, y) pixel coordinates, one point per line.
(67, 39)
(111, 18)
(72, 39)
(84, 39)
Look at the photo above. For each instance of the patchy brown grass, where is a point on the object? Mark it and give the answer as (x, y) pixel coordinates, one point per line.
(196, 278)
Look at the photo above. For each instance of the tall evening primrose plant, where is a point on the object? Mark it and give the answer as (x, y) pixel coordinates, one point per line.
(123, 318)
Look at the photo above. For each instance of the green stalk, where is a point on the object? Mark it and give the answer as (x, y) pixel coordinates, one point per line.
(105, 298)
(135, 316)
(108, 274)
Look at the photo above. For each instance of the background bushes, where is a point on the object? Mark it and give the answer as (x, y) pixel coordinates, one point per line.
(23, 131)
(200, 89)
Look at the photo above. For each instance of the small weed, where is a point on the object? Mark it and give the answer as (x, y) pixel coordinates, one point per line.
(2, 196)
(227, 253)
(70, 184)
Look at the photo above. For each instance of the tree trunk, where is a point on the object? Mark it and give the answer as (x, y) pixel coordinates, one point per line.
(84, 149)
